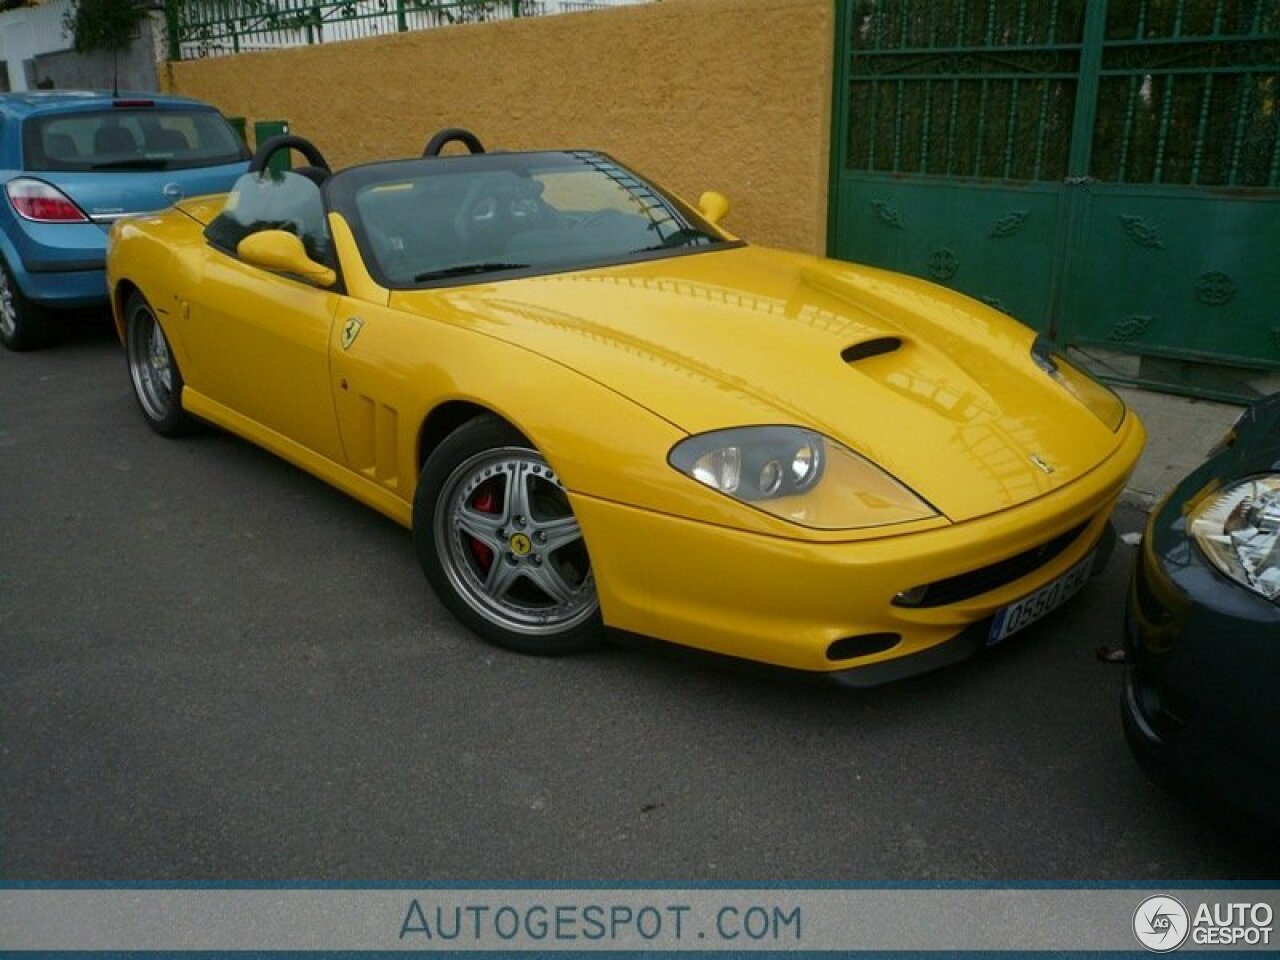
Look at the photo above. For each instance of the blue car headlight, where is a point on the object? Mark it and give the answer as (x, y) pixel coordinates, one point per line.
(798, 475)
(1238, 529)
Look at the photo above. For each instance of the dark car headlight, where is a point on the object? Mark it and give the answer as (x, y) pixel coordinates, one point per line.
(1238, 529)
(1103, 401)
(798, 475)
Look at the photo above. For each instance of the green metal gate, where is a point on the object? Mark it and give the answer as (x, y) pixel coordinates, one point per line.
(1107, 171)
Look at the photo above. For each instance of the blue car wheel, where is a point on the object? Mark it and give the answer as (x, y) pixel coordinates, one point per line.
(23, 324)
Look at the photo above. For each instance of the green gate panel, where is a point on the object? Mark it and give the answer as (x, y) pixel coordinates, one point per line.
(1179, 274)
(1105, 170)
(995, 243)
(264, 130)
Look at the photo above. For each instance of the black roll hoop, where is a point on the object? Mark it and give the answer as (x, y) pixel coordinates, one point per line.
(287, 141)
(452, 135)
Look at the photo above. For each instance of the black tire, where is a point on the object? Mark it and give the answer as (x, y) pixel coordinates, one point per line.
(23, 325)
(153, 370)
(498, 542)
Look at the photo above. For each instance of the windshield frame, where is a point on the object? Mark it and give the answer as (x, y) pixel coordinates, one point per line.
(343, 188)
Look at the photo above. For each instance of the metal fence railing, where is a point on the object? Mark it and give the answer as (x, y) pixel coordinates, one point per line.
(210, 28)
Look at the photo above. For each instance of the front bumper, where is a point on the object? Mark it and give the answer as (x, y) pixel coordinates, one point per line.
(786, 602)
(1199, 705)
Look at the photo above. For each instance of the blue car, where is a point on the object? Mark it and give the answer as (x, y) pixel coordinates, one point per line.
(72, 163)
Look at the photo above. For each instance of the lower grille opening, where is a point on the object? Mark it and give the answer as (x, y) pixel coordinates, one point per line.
(985, 579)
(847, 648)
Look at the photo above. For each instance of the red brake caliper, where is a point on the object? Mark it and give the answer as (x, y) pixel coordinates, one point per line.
(485, 500)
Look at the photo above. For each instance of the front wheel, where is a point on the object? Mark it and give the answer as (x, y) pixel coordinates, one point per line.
(157, 381)
(498, 541)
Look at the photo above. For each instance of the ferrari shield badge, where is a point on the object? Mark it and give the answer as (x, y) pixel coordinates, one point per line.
(351, 330)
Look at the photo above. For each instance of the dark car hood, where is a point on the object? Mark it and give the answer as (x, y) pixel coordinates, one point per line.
(1256, 448)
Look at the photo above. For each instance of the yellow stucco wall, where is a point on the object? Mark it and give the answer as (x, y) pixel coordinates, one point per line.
(732, 95)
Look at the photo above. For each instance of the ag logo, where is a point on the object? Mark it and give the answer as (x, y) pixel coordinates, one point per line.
(520, 545)
(351, 330)
(1161, 924)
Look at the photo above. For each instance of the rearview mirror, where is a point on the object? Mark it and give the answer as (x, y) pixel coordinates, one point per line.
(713, 206)
(282, 251)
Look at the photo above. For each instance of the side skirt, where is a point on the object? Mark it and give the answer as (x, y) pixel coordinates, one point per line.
(353, 484)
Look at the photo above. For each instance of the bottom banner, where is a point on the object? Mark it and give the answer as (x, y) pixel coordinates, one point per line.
(642, 920)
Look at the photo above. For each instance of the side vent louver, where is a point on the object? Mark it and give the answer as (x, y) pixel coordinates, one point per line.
(870, 348)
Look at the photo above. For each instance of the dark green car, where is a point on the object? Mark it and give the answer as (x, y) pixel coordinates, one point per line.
(1201, 708)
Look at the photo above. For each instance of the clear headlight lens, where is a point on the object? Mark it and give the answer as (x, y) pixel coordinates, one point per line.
(798, 475)
(1238, 529)
(1103, 401)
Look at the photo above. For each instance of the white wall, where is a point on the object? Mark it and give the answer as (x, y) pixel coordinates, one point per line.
(29, 31)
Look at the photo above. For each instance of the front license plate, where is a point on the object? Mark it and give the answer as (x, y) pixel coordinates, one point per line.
(1031, 608)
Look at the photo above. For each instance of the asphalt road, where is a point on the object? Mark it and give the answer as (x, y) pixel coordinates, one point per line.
(214, 667)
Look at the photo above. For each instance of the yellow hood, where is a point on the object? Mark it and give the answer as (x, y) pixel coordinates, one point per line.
(935, 388)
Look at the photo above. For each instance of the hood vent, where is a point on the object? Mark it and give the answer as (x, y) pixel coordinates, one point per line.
(870, 348)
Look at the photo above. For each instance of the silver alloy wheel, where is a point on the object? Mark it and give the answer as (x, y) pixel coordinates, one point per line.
(510, 546)
(150, 362)
(8, 308)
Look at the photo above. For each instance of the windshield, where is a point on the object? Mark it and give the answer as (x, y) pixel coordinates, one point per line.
(122, 139)
(455, 219)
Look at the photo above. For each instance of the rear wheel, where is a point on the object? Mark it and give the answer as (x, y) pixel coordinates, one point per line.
(23, 324)
(498, 541)
(153, 371)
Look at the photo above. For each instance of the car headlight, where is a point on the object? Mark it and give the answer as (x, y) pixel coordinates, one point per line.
(1105, 404)
(1238, 529)
(798, 475)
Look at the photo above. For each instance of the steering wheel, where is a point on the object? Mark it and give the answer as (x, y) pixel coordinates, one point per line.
(287, 141)
(452, 135)
(483, 211)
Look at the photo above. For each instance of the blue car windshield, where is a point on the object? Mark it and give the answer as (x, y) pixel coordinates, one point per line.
(450, 220)
(129, 139)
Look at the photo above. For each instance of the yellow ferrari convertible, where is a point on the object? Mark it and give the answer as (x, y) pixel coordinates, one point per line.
(597, 410)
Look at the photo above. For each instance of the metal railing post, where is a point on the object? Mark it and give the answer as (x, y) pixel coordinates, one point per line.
(172, 28)
(1086, 112)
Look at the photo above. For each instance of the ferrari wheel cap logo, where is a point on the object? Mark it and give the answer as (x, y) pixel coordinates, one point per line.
(520, 545)
(351, 330)
(1044, 465)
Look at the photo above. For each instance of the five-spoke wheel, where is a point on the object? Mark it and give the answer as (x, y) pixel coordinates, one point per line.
(157, 382)
(499, 542)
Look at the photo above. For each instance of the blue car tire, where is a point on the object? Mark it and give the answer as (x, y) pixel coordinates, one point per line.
(23, 324)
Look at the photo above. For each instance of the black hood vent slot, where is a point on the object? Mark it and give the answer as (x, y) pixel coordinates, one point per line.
(870, 348)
